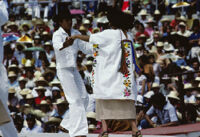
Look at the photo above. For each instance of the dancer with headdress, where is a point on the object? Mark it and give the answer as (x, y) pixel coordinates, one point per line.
(115, 63)
(71, 81)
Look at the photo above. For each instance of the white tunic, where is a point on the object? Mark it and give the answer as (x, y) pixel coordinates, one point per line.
(108, 82)
(67, 57)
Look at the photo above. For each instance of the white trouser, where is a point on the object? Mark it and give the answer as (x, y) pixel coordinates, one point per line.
(77, 97)
(8, 129)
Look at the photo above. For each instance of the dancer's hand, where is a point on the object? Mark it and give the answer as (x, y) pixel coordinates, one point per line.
(68, 42)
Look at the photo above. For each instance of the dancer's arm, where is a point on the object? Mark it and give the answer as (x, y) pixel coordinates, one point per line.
(81, 37)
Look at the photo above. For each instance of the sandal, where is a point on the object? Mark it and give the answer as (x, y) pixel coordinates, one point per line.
(103, 134)
(137, 134)
(63, 129)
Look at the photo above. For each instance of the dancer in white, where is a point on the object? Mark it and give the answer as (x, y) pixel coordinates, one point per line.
(69, 76)
(114, 81)
(7, 129)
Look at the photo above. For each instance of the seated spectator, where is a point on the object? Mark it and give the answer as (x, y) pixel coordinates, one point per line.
(165, 112)
(188, 97)
(41, 94)
(31, 127)
(52, 125)
(18, 121)
(12, 79)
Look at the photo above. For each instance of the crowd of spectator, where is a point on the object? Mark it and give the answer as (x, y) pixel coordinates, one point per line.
(164, 47)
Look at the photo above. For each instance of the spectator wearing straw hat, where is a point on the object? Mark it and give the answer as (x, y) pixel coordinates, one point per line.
(32, 126)
(13, 102)
(22, 85)
(52, 125)
(12, 79)
(41, 94)
(189, 97)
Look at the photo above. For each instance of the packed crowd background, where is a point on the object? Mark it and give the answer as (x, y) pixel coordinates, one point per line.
(164, 46)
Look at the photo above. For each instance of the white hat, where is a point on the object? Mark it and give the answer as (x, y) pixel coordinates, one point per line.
(86, 21)
(55, 89)
(29, 96)
(182, 18)
(22, 79)
(160, 44)
(55, 82)
(155, 85)
(140, 99)
(103, 20)
(143, 12)
(182, 24)
(25, 91)
(168, 47)
(43, 102)
(11, 90)
(60, 101)
(37, 74)
(198, 96)
(91, 115)
(173, 94)
(45, 33)
(188, 86)
(89, 16)
(149, 41)
(28, 63)
(165, 19)
(52, 65)
(149, 94)
(47, 43)
(41, 88)
(11, 74)
(41, 79)
(197, 79)
(12, 66)
(157, 12)
(91, 127)
(150, 20)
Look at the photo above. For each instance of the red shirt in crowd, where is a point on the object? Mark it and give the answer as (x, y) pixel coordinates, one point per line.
(38, 100)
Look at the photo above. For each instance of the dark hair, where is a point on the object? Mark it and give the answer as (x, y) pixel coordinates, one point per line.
(158, 99)
(63, 13)
(120, 19)
(195, 23)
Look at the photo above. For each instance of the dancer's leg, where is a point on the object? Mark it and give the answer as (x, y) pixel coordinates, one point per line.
(77, 121)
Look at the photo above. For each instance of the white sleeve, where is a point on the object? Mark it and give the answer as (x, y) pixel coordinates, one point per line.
(99, 38)
(57, 42)
(3, 13)
(85, 47)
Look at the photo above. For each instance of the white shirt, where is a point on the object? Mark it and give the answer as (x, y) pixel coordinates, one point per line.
(189, 99)
(187, 33)
(168, 114)
(139, 81)
(67, 57)
(36, 129)
(108, 82)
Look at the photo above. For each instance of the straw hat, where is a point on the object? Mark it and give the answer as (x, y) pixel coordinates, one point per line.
(41, 79)
(141, 36)
(52, 65)
(197, 79)
(60, 101)
(22, 79)
(44, 102)
(143, 12)
(40, 88)
(28, 64)
(188, 86)
(155, 85)
(82, 28)
(149, 41)
(149, 94)
(47, 43)
(182, 18)
(86, 21)
(165, 19)
(150, 20)
(12, 23)
(12, 66)
(26, 23)
(29, 96)
(11, 90)
(55, 82)
(198, 96)
(91, 127)
(182, 24)
(39, 22)
(11, 74)
(25, 91)
(156, 12)
(168, 47)
(160, 44)
(173, 94)
(53, 120)
(45, 33)
(55, 89)
(95, 30)
(91, 115)
(37, 74)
